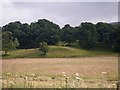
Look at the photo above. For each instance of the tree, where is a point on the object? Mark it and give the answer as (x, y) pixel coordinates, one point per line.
(43, 48)
(88, 35)
(68, 34)
(16, 43)
(106, 35)
(8, 43)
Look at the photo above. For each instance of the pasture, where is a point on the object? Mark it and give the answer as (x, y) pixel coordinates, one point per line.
(86, 72)
(59, 52)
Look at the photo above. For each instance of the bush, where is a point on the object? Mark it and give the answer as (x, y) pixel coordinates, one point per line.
(43, 48)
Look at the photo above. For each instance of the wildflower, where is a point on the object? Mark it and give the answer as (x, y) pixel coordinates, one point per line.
(64, 75)
(11, 83)
(78, 78)
(113, 85)
(76, 74)
(63, 72)
(109, 86)
(104, 73)
(8, 73)
(73, 85)
(33, 74)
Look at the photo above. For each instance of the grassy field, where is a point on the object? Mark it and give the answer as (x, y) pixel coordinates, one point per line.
(62, 67)
(60, 72)
(58, 52)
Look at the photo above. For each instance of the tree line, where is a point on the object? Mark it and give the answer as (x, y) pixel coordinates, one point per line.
(87, 35)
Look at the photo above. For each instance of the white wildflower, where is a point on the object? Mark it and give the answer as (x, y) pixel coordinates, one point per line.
(104, 73)
(8, 73)
(11, 83)
(76, 74)
(33, 74)
(79, 78)
(64, 75)
(113, 85)
(63, 72)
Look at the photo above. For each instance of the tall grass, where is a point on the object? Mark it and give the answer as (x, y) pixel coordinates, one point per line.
(62, 80)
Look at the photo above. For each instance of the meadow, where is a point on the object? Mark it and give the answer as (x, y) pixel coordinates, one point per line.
(61, 67)
(59, 52)
(84, 72)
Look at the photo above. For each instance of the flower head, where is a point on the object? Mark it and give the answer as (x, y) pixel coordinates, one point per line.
(63, 72)
(104, 73)
(32, 74)
(64, 75)
(76, 74)
(8, 73)
(78, 78)
(11, 83)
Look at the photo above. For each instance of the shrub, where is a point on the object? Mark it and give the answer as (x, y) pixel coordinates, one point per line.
(43, 48)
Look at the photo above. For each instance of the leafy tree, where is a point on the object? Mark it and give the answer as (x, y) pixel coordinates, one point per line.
(68, 34)
(102, 35)
(8, 43)
(116, 37)
(43, 48)
(16, 43)
(106, 35)
(88, 35)
(29, 35)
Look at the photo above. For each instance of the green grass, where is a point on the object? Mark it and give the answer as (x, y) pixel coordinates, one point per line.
(58, 52)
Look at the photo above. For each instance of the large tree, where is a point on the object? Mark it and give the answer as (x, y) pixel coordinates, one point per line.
(88, 35)
(106, 34)
(8, 43)
(68, 34)
(29, 36)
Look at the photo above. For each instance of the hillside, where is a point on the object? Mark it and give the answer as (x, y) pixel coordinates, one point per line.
(58, 52)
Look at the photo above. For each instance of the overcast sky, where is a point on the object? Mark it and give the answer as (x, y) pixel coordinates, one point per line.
(61, 13)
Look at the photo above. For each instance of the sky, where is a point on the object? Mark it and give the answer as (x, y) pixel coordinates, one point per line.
(61, 12)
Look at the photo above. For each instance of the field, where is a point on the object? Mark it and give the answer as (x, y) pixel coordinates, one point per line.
(59, 52)
(87, 72)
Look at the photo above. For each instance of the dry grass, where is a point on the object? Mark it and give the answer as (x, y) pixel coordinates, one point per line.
(90, 67)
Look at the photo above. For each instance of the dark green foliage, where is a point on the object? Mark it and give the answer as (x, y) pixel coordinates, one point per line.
(29, 36)
(8, 43)
(68, 34)
(108, 35)
(90, 36)
(43, 48)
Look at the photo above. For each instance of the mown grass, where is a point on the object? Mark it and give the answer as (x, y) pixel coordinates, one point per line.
(58, 52)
